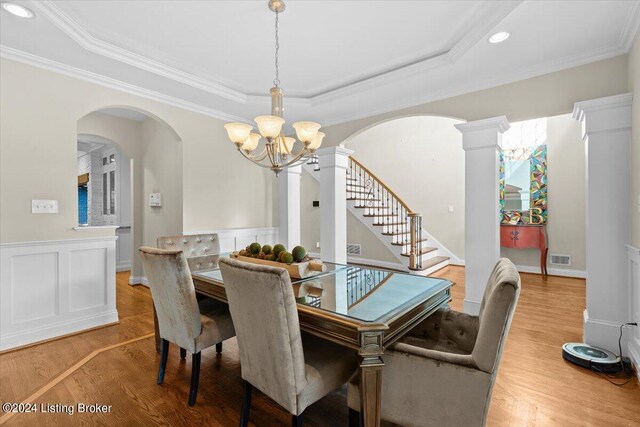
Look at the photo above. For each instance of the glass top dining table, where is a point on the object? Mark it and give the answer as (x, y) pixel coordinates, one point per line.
(362, 308)
(364, 293)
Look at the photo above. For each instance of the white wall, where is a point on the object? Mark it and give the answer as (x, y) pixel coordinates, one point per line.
(220, 188)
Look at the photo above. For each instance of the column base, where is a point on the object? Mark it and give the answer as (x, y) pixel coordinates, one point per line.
(471, 307)
(603, 334)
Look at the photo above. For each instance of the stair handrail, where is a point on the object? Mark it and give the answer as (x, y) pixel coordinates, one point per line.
(386, 187)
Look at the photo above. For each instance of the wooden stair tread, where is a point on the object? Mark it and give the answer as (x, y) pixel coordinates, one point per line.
(363, 199)
(377, 215)
(395, 233)
(388, 224)
(421, 251)
(431, 262)
(405, 243)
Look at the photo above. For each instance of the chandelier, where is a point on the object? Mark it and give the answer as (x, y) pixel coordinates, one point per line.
(278, 151)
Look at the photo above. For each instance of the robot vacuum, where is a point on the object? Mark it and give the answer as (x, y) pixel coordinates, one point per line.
(594, 358)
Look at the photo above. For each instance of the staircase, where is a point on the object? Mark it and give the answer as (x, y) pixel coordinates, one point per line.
(390, 219)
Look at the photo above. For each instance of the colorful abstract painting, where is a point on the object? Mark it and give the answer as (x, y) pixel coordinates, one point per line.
(537, 212)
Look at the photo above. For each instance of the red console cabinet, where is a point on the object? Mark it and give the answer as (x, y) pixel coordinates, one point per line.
(524, 237)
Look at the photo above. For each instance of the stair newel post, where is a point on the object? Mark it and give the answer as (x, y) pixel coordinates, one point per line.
(415, 255)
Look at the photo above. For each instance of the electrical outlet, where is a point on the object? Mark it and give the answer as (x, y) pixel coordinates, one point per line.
(317, 244)
(450, 209)
(44, 206)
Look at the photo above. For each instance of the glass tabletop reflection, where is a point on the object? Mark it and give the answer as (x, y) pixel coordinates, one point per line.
(366, 294)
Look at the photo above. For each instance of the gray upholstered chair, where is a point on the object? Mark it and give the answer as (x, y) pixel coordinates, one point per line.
(201, 250)
(292, 368)
(202, 253)
(442, 372)
(182, 320)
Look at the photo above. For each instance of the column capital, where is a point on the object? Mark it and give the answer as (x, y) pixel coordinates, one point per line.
(334, 157)
(610, 113)
(485, 133)
(337, 151)
(500, 124)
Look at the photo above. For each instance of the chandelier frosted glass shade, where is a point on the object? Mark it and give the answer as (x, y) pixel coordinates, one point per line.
(286, 145)
(306, 131)
(317, 141)
(251, 143)
(238, 132)
(269, 126)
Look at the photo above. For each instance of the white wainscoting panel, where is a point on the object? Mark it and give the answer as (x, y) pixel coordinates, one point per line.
(124, 246)
(634, 309)
(234, 239)
(54, 288)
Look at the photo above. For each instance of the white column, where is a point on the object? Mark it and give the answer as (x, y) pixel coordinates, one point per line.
(333, 162)
(481, 141)
(606, 132)
(289, 207)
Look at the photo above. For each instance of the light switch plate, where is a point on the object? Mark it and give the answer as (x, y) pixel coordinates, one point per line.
(450, 208)
(155, 199)
(44, 206)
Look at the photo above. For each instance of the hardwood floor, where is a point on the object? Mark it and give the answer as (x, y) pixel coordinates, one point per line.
(535, 386)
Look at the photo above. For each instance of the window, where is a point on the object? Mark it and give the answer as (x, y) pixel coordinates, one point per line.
(522, 137)
(109, 184)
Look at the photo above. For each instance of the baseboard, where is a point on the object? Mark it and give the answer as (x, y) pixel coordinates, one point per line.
(580, 274)
(634, 355)
(123, 267)
(471, 307)
(43, 333)
(138, 280)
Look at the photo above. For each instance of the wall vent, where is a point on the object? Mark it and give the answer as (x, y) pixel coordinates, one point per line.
(560, 259)
(353, 249)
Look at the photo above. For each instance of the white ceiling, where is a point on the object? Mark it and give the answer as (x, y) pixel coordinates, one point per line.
(339, 59)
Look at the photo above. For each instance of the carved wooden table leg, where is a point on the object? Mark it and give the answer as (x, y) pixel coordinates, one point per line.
(370, 370)
(156, 329)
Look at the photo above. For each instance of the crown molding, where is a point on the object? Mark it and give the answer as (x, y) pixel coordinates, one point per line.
(88, 76)
(516, 76)
(81, 36)
(631, 27)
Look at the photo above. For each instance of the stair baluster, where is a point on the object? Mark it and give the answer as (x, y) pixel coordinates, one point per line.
(388, 210)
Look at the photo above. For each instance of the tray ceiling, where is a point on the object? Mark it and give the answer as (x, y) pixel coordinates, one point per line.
(339, 60)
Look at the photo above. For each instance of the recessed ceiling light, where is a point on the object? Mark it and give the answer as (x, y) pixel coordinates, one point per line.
(499, 37)
(18, 10)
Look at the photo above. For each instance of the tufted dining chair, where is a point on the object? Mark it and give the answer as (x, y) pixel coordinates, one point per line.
(201, 250)
(292, 368)
(442, 372)
(182, 320)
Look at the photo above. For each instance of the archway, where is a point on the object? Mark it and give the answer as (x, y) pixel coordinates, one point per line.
(420, 158)
(147, 151)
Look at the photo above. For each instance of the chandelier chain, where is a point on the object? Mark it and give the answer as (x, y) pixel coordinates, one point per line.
(276, 81)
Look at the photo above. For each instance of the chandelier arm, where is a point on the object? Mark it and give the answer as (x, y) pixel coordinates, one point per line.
(260, 157)
(295, 159)
(271, 153)
(257, 162)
